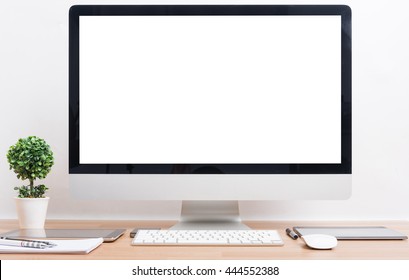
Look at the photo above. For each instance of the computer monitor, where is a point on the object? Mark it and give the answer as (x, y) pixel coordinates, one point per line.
(210, 103)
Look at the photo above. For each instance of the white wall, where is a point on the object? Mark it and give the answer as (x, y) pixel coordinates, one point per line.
(34, 101)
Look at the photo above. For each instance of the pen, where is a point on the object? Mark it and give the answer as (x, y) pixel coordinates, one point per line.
(30, 240)
(291, 233)
(24, 243)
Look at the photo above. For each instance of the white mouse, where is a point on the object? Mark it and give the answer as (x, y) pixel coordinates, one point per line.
(320, 241)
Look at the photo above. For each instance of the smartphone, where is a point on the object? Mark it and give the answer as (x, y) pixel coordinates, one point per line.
(109, 235)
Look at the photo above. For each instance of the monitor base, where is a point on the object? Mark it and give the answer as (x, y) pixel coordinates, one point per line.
(217, 215)
(210, 226)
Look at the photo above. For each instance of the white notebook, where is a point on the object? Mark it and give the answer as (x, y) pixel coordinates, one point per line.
(72, 246)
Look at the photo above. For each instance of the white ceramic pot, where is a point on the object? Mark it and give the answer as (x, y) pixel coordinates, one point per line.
(32, 212)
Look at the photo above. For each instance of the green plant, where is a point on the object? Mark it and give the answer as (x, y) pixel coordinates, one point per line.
(31, 158)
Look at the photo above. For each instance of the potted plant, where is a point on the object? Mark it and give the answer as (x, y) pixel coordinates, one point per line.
(31, 158)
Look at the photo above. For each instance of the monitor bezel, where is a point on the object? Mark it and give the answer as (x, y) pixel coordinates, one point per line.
(75, 167)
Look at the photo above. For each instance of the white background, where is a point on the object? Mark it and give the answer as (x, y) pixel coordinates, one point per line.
(287, 269)
(215, 89)
(34, 101)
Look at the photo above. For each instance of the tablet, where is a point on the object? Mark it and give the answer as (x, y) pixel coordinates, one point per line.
(351, 233)
(109, 235)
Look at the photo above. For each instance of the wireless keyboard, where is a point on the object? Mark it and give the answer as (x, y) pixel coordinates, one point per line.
(208, 237)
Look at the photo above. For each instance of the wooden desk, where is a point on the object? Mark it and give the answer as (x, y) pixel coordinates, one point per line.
(292, 249)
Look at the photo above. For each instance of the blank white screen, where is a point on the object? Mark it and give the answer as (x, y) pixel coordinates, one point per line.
(210, 89)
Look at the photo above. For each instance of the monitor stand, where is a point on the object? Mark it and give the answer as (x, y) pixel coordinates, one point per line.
(217, 215)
